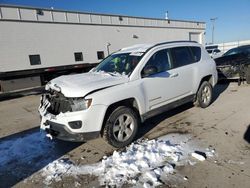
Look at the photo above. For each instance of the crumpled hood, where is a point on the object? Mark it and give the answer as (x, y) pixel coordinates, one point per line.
(79, 85)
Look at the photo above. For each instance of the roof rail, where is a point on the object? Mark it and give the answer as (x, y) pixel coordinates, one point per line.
(178, 41)
(170, 42)
(162, 43)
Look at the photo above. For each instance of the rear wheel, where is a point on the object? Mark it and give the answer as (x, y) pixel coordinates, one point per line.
(204, 95)
(121, 127)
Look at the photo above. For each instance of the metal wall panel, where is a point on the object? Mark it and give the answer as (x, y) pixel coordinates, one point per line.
(131, 21)
(124, 21)
(10, 13)
(85, 18)
(106, 19)
(96, 19)
(115, 20)
(28, 14)
(72, 18)
(46, 16)
(59, 17)
(140, 22)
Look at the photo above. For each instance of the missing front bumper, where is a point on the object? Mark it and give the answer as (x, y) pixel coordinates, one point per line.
(61, 132)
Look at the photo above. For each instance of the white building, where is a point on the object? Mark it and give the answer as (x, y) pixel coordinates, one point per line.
(34, 41)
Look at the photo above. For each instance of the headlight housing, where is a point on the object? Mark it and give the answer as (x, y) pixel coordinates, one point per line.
(79, 104)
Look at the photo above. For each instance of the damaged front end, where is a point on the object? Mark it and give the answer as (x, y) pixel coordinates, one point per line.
(56, 103)
(229, 71)
(54, 109)
(232, 67)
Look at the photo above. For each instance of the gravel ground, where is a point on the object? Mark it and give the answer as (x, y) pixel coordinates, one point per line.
(224, 126)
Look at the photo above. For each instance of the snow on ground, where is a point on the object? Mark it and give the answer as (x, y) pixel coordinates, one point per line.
(142, 164)
(24, 149)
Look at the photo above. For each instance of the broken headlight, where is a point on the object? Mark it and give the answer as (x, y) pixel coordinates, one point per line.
(79, 104)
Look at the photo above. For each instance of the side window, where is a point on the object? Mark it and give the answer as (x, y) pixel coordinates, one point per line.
(181, 56)
(160, 60)
(78, 56)
(196, 51)
(100, 55)
(35, 59)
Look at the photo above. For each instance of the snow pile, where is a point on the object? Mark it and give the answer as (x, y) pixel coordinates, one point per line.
(55, 169)
(143, 163)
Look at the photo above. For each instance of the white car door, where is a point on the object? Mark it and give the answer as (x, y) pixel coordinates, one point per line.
(171, 81)
(184, 66)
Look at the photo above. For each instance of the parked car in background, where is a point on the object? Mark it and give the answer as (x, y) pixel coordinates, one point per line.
(125, 89)
(235, 64)
(213, 51)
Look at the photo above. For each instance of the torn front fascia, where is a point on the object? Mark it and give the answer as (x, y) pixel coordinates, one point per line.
(44, 105)
(228, 71)
(49, 86)
(61, 104)
(52, 104)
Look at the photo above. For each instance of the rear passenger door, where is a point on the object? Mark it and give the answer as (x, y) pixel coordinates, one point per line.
(184, 68)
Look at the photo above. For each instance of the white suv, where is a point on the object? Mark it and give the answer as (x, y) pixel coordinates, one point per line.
(127, 87)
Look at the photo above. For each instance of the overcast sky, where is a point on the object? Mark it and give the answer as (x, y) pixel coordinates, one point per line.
(233, 21)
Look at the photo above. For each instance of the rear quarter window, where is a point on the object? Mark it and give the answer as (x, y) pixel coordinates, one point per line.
(196, 51)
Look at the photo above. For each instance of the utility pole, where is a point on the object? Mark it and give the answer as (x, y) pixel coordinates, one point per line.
(213, 21)
(166, 15)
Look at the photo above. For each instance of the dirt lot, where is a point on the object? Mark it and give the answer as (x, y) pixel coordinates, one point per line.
(224, 126)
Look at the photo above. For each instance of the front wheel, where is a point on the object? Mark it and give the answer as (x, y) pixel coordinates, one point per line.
(121, 127)
(204, 95)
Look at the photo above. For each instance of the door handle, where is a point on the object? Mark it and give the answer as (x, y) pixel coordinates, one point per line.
(173, 75)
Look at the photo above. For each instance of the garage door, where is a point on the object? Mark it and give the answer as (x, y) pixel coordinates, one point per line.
(195, 37)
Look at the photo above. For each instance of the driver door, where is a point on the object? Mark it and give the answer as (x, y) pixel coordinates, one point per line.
(159, 87)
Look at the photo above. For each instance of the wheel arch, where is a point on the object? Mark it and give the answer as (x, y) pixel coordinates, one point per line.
(208, 78)
(129, 102)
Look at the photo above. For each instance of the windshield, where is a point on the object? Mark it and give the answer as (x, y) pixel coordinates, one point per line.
(122, 64)
(231, 52)
(241, 49)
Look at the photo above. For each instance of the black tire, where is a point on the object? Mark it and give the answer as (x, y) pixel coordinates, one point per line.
(248, 74)
(204, 95)
(113, 135)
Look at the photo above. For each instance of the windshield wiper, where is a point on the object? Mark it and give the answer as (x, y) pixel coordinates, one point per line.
(114, 73)
(110, 73)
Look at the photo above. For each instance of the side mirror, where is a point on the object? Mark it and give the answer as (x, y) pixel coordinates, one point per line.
(149, 70)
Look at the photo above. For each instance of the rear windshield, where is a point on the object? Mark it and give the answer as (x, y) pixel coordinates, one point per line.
(196, 51)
